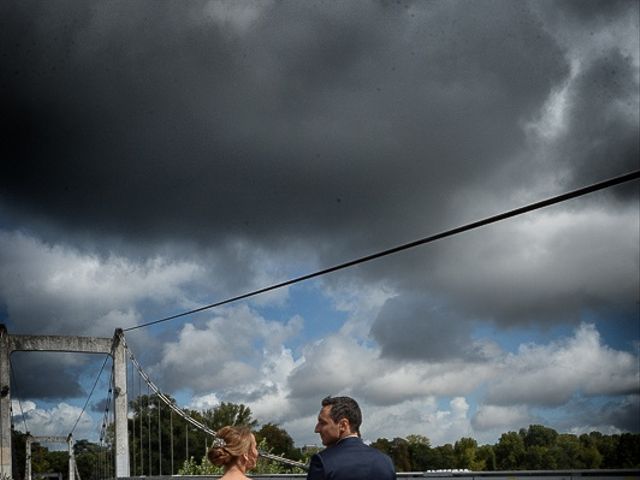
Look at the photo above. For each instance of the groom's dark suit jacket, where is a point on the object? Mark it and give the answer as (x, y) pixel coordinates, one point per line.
(351, 459)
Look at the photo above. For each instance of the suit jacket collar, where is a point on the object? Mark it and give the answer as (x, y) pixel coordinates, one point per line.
(348, 440)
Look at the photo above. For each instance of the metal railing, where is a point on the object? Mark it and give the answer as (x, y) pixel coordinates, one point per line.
(616, 474)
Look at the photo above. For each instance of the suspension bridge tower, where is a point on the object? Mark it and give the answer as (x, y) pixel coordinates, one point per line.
(52, 343)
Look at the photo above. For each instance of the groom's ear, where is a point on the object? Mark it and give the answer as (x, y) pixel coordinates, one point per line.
(344, 426)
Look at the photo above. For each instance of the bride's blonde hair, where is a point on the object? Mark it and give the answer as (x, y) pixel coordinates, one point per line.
(231, 443)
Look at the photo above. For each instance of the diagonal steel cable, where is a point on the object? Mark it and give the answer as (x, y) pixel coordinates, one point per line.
(448, 233)
(15, 383)
(91, 392)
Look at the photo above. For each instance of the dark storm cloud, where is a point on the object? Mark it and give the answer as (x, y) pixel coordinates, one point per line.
(338, 128)
(149, 119)
(250, 396)
(437, 333)
(602, 105)
(544, 272)
(594, 10)
(621, 413)
(45, 375)
(604, 138)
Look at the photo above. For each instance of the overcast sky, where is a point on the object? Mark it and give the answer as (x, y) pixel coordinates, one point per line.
(160, 156)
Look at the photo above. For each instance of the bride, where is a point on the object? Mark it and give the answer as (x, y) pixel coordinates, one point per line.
(235, 451)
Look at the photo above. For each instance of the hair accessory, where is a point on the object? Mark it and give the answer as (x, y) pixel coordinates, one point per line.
(218, 443)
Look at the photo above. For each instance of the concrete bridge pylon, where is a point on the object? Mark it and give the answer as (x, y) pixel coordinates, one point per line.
(54, 343)
(68, 440)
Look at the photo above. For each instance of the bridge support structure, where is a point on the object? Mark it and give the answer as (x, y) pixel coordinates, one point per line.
(54, 343)
(68, 440)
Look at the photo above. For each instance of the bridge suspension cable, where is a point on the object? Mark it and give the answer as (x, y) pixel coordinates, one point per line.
(187, 418)
(634, 175)
(130, 388)
(15, 386)
(149, 426)
(90, 394)
(4, 392)
(106, 451)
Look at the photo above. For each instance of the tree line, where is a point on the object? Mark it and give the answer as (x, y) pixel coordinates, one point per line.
(534, 448)
(162, 443)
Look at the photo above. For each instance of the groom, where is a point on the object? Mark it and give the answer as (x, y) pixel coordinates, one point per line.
(346, 455)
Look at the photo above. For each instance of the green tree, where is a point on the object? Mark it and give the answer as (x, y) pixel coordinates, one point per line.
(567, 452)
(629, 451)
(486, 456)
(539, 435)
(229, 414)
(160, 440)
(541, 452)
(266, 466)
(59, 462)
(87, 455)
(18, 440)
(199, 467)
(400, 454)
(419, 452)
(589, 456)
(537, 457)
(383, 445)
(444, 457)
(509, 451)
(607, 446)
(277, 441)
(39, 459)
(465, 454)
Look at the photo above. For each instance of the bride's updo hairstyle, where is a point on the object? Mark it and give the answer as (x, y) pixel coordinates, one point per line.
(231, 444)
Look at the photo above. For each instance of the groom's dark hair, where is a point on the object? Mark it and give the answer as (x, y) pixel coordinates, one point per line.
(344, 407)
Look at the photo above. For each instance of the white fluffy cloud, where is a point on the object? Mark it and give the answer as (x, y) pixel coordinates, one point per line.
(204, 402)
(542, 375)
(396, 383)
(59, 420)
(268, 395)
(331, 365)
(228, 353)
(82, 292)
(502, 418)
(424, 417)
(545, 267)
(551, 374)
